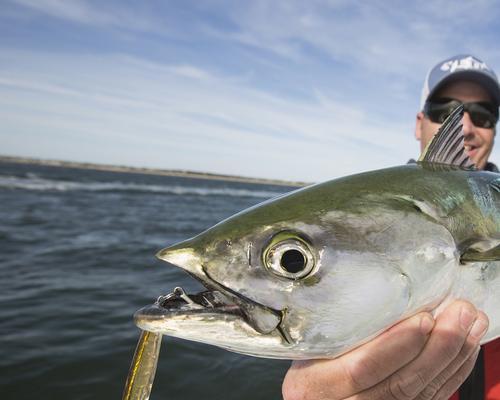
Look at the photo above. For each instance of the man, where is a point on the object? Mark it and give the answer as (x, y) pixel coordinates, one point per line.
(423, 358)
(468, 80)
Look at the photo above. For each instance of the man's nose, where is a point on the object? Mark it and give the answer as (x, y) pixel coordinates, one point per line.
(467, 125)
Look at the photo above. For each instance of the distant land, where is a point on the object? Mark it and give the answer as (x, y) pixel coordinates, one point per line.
(150, 171)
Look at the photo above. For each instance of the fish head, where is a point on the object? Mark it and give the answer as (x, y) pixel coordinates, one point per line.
(295, 277)
(230, 259)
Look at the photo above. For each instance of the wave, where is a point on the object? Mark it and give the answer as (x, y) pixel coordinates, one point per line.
(36, 183)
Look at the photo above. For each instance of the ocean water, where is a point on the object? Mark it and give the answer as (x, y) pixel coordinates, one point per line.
(77, 260)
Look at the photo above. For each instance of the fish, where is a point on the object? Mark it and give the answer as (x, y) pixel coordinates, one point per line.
(321, 270)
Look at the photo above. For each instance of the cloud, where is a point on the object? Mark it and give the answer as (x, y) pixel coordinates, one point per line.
(298, 90)
(216, 121)
(379, 36)
(22, 84)
(73, 10)
(109, 15)
(190, 72)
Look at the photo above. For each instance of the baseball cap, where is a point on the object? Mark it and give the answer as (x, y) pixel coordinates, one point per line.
(460, 67)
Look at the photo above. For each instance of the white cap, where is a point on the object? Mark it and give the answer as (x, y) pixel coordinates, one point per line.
(460, 67)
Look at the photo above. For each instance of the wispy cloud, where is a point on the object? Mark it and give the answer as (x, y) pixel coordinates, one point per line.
(297, 90)
(218, 119)
(379, 35)
(74, 10)
(110, 15)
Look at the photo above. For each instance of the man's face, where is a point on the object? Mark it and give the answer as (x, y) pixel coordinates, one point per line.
(478, 141)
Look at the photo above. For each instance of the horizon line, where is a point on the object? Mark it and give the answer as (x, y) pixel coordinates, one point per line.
(149, 171)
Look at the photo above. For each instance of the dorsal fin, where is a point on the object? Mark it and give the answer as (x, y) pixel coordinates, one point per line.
(447, 145)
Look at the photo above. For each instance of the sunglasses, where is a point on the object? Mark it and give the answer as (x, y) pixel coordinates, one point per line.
(482, 113)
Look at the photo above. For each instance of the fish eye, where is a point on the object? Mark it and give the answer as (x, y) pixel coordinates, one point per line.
(293, 261)
(289, 256)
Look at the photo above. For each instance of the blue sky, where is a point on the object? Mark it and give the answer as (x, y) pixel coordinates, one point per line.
(297, 90)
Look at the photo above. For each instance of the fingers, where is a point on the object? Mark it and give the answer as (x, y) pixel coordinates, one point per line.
(361, 368)
(456, 380)
(450, 379)
(445, 361)
(380, 358)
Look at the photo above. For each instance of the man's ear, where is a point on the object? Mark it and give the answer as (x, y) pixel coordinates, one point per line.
(418, 125)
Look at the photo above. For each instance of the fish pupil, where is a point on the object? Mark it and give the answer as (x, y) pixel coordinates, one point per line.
(293, 261)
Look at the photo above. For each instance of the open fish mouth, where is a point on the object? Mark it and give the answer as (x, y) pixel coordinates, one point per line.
(179, 302)
(217, 302)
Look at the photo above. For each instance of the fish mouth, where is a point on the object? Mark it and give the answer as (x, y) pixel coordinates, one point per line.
(217, 302)
(179, 302)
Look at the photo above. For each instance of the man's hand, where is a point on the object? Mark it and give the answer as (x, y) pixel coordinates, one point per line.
(419, 358)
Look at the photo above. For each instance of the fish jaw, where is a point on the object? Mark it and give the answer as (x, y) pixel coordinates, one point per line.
(262, 318)
(223, 328)
(218, 316)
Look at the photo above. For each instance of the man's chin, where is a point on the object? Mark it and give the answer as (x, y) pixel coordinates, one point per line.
(478, 159)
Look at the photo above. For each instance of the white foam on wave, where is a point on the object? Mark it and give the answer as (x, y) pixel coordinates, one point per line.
(33, 182)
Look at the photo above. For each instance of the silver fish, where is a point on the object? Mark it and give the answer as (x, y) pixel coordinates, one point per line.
(319, 271)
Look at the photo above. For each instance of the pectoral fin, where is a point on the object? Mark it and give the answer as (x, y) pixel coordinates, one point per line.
(483, 250)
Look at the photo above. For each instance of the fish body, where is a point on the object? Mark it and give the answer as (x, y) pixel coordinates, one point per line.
(323, 269)
(319, 271)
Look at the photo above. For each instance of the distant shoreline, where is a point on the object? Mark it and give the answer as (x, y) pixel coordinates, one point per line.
(149, 171)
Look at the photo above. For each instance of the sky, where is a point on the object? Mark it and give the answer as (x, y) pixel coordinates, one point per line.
(295, 90)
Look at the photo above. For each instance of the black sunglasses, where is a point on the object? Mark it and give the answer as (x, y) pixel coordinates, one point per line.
(482, 113)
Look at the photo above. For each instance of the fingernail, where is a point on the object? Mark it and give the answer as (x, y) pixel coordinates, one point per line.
(466, 318)
(426, 324)
(478, 329)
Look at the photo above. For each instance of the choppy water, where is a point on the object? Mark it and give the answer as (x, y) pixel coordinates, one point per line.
(77, 259)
